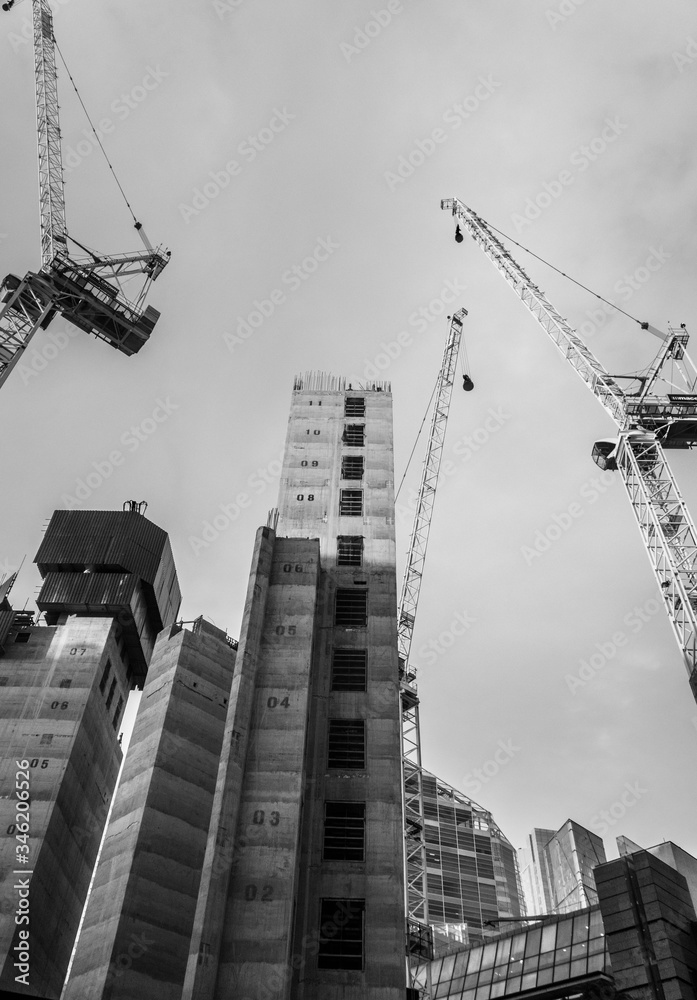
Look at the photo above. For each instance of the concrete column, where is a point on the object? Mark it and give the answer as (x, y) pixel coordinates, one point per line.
(221, 850)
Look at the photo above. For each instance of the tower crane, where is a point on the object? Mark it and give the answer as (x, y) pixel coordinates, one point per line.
(86, 290)
(650, 420)
(412, 775)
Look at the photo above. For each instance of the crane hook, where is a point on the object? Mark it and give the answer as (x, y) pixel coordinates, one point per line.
(467, 383)
(8, 5)
(458, 235)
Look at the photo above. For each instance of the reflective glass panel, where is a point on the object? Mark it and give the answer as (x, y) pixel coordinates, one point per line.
(596, 963)
(580, 928)
(544, 976)
(516, 967)
(563, 933)
(504, 950)
(533, 943)
(497, 989)
(546, 959)
(530, 964)
(548, 935)
(513, 985)
(482, 992)
(517, 946)
(595, 945)
(485, 976)
(528, 981)
(475, 960)
(488, 956)
(471, 981)
(578, 951)
(561, 972)
(578, 968)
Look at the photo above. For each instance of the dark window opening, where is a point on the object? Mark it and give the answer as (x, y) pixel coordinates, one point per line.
(344, 831)
(3, 681)
(65, 683)
(105, 676)
(346, 744)
(341, 934)
(351, 503)
(349, 669)
(22, 637)
(349, 550)
(351, 610)
(354, 406)
(352, 466)
(117, 713)
(354, 435)
(46, 739)
(110, 696)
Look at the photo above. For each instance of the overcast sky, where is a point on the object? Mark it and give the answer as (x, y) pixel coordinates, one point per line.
(293, 157)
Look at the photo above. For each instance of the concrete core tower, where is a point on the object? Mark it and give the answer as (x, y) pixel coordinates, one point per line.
(302, 891)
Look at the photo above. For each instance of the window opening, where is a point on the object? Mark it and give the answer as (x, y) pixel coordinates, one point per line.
(354, 435)
(354, 406)
(352, 466)
(341, 934)
(346, 744)
(351, 609)
(349, 669)
(351, 503)
(349, 550)
(110, 696)
(105, 676)
(344, 831)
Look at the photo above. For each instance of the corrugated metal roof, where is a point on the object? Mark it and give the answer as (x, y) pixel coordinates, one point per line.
(78, 538)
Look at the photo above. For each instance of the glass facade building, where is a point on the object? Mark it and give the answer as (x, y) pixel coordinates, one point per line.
(472, 868)
(557, 869)
(563, 949)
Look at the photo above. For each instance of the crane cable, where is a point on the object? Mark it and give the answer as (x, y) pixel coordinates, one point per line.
(568, 276)
(417, 440)
(96, 134)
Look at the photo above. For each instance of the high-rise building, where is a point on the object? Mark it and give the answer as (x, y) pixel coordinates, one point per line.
(534, 872)
(109, 586)
(472, 870)
(557, 869)
(312, 905)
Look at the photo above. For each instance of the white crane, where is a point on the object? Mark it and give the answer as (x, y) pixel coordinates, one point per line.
(649, 420)
(413, 807)
(87, 291)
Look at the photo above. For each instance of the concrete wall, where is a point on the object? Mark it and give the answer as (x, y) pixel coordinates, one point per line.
(135, 938)
(54, 715)
(379, 878)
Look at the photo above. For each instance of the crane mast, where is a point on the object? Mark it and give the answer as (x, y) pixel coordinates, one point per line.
(413, 807)
(86, 291)
(648, 423)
